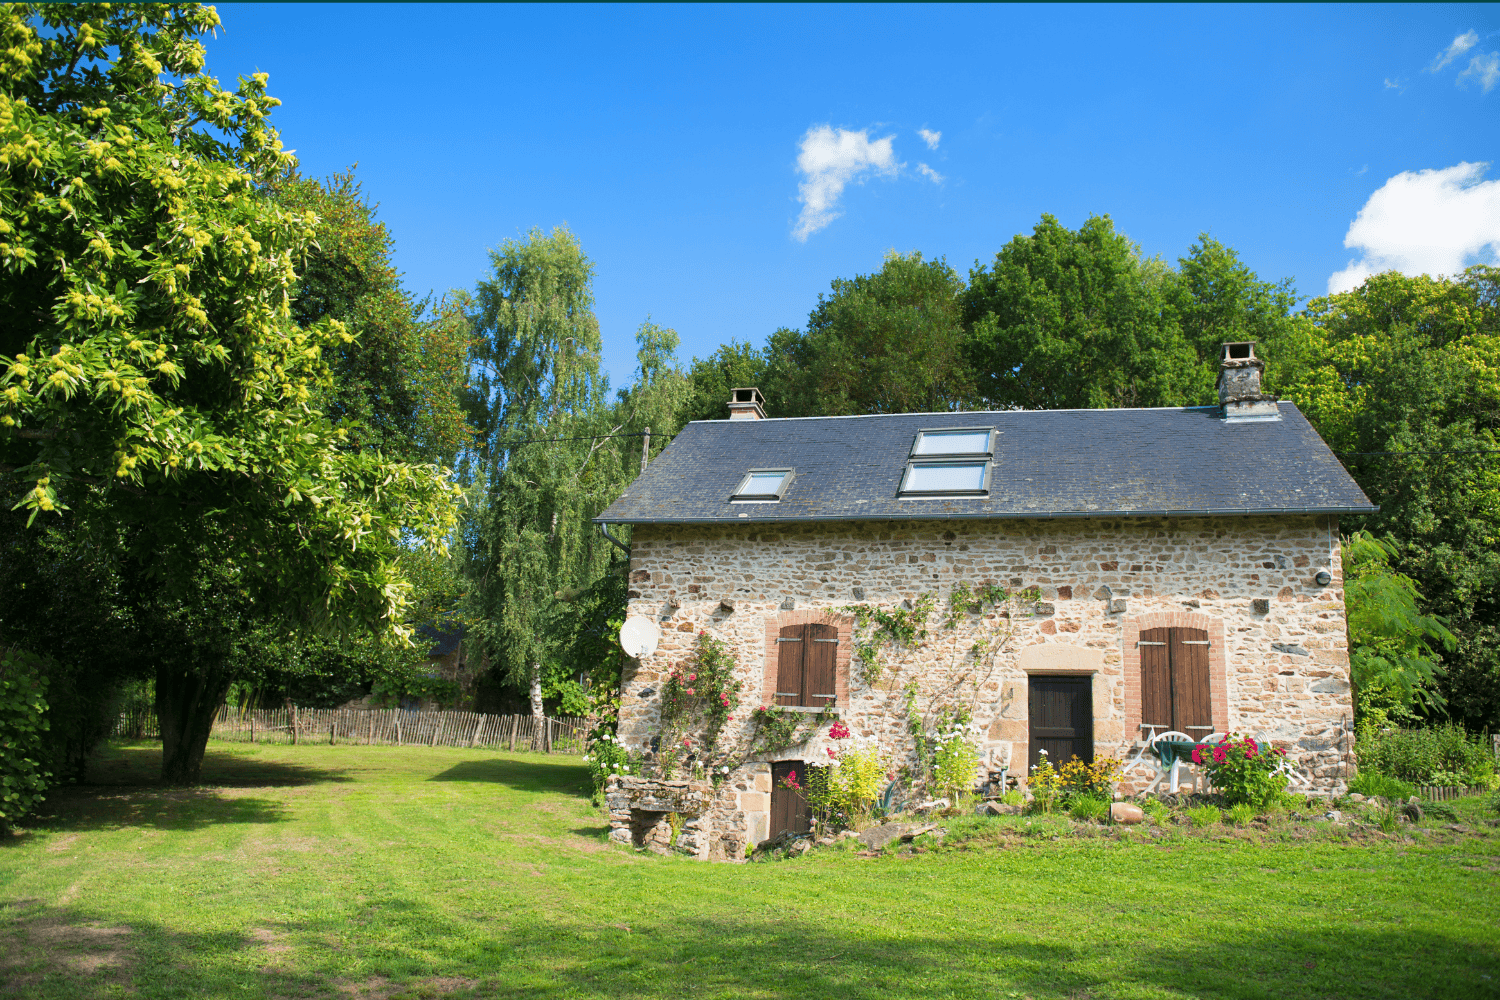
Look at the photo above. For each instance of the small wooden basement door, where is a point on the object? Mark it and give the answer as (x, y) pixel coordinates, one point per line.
(1061, 710)
(806, 665)
(1174, 682)
(789, 811)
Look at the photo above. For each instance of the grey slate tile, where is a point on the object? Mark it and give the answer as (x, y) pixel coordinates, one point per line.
(1048, 463)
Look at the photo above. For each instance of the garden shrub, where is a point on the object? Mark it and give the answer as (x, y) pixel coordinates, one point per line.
(1370, 785)
(1014, 797)
(1243, 770)
(607, 755)
(1441, 755)
(1046, 785)
(1205, 815)
(23, 726)
(1156, 809)
(955, 763)
(845, 788)
(1242, 814)
(1088, 808)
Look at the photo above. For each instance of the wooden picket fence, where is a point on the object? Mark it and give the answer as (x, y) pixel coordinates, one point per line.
(388, 727)
(1441, 793)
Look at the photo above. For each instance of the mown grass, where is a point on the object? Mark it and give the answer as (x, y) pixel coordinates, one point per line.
(415, 872)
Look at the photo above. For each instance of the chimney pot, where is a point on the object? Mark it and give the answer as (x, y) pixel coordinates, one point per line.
(746, 403)
(1239, 384)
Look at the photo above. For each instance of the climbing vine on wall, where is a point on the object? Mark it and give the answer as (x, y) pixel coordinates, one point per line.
(699, 700)
(881, 634)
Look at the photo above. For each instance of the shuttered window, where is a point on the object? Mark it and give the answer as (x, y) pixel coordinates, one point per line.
(806, 658)
(1174, 681)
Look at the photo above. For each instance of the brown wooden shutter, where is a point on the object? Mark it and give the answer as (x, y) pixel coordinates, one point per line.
(1156, 681)
(819, 666)
(789, 659)
(1192, 712)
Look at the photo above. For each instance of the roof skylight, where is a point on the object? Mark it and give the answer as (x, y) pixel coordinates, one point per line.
(946, 479)
(764, 484)
(954, 441)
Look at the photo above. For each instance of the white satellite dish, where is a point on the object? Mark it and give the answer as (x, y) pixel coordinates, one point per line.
(639, 636)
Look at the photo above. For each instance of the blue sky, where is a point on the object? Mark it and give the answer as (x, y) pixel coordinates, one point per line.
(722, 165)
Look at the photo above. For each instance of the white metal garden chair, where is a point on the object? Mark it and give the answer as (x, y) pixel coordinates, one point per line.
(1172, 774)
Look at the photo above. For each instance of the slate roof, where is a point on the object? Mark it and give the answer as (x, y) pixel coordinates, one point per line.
(444, 637)
(1047, 463)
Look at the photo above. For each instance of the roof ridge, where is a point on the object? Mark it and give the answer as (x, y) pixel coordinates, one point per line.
(978, 413)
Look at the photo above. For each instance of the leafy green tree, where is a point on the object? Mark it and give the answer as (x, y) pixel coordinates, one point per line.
(888, 342)
(396, 386)
(1215, 298)
(1401, 375)
(1393, 646)
(151, 362)
(734, 365)
(549, 452)
(1068, 319)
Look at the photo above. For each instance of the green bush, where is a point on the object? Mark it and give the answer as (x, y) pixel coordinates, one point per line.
(608, 756)
(23, 724)
(1201, 816)
(1444, 754)
(1014, 797)
(1088, 808)
(1156, 809)
(1242, 814)
(1370, 784)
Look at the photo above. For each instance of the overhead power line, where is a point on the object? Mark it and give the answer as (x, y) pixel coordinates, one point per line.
(585, 437)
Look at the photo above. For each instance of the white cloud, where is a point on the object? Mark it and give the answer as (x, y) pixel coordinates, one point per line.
(1485, 69)
(829, 159)
(1461, 44)
(930, 174)
(1424, 222)
(930, 137)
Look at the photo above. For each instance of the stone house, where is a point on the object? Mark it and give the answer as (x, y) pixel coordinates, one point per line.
(1187, 562)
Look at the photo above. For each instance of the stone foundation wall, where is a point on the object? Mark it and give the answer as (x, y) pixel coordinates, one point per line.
(1279, 663)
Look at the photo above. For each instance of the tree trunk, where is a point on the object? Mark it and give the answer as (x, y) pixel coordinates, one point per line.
(186, 702)
(537, 711)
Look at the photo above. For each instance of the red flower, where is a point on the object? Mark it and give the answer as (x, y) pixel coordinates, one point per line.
(832, 754)
(1219, 752)
(1197, 754)
(691, 691)
(838, 731)
(692, 677)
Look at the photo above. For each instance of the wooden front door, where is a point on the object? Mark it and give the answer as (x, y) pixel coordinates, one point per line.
(1062, 719)
(789, 812)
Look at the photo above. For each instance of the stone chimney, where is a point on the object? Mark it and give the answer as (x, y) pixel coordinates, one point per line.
(1239, 384)
(746, 404)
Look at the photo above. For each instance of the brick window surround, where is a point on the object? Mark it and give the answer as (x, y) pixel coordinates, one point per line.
(1218, 668)
(774, 625)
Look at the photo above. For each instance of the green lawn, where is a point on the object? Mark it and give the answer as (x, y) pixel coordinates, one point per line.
(390, 872)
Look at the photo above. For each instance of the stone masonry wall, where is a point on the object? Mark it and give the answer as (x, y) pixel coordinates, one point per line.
(1279, 659)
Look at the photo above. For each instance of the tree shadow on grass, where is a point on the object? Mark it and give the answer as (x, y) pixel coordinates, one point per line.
(123, 789)
(407, 947)
(139, 764)
(93, 808)
(565, 775)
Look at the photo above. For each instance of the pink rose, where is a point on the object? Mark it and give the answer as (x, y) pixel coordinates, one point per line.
(691, 691)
